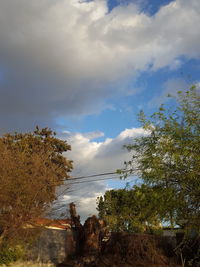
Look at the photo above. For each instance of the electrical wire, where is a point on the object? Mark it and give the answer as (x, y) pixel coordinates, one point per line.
(100, 174)
(93, 175)
(96, 180)
(88, 181)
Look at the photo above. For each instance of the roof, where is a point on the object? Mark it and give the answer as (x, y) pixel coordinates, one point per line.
(60, 224)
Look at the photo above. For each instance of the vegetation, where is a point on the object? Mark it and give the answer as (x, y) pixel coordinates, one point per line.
(31, 166)
(169, 157)
(10, 254)
(137, 250)
(168, 160)
(140, 209)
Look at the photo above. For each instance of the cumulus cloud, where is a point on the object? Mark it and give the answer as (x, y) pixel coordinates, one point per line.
(62, 58)
(93, 157)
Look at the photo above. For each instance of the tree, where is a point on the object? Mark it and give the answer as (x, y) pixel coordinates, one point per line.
(140, 209)
(169, 156)
(31, 166)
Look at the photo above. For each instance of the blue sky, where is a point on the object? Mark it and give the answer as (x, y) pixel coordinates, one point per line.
(148, 6)
(86, 68)
(122, 111)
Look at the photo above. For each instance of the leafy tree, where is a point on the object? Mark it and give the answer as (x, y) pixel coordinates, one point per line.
(169, 156)
(140, 209)
(31, 166)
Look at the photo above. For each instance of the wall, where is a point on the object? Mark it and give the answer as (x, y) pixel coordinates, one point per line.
(52, 247)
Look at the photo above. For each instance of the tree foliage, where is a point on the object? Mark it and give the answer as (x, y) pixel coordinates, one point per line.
(169, 156)
(31, 166)
(140, 209)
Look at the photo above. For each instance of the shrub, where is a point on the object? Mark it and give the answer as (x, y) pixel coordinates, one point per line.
(10, 254)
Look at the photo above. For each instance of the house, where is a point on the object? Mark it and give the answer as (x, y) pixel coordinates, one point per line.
(54, 244)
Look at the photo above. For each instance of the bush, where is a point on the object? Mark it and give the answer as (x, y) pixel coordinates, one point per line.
(138, 250)
(10, 254)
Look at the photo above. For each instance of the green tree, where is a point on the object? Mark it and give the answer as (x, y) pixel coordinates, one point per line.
(31, 166)
(169, 156)
(140, 209)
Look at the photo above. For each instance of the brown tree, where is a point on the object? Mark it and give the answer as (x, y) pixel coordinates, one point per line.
(31, 166)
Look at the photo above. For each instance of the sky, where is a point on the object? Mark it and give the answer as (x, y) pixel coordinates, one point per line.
(86, 68)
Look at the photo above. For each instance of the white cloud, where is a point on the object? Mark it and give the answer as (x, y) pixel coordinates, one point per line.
(61, 57)
(92, 157)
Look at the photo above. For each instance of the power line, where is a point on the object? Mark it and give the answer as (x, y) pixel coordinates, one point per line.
(96, 180)
(117, 176)
(81, 182)
(93, 175)
(84, 177)
(89, 181)
(100, 174)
